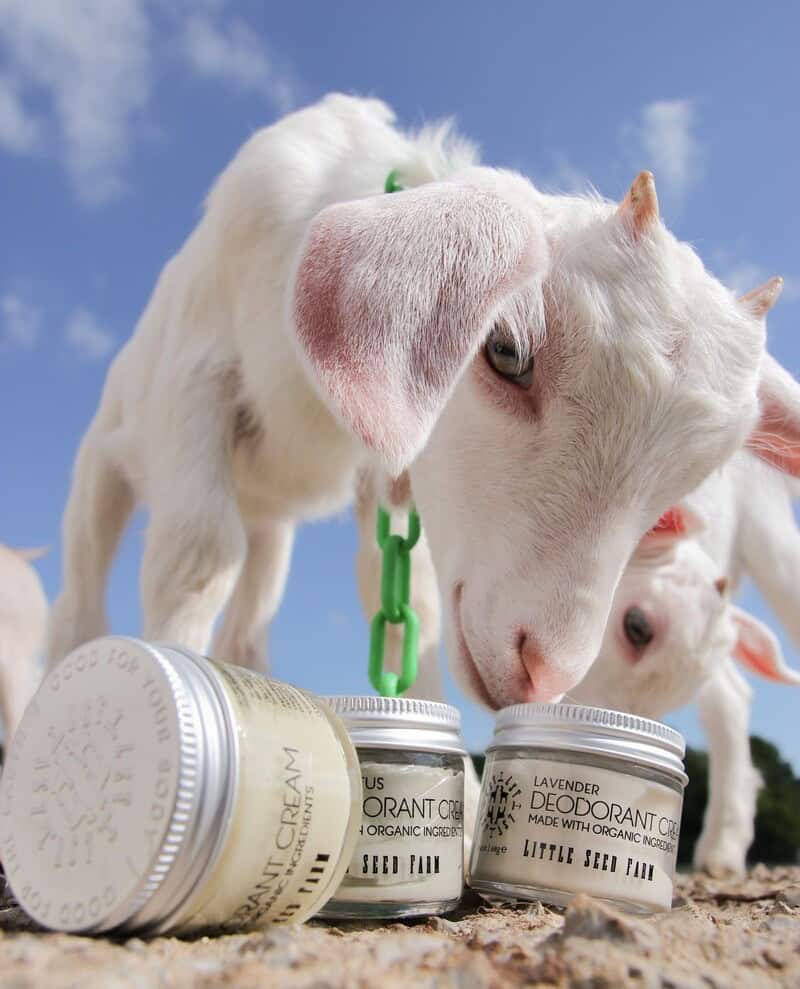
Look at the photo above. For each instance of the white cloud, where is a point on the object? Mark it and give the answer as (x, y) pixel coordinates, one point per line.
(86, 337)
(564, 177)
(79, 76)
(741, 275)
(91, 61)
(19, 129)
(664, 142)
(22, 322)
(791, 288)
(745, 276)
(235, 54)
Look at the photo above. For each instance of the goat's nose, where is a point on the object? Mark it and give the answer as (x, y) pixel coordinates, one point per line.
(548, 683)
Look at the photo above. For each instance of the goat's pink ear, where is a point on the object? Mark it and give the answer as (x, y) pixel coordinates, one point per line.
(759, 651)
(776, 437)
(678, 522)
(394, 294)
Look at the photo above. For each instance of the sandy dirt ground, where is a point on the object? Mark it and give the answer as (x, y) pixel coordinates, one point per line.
(719, 935)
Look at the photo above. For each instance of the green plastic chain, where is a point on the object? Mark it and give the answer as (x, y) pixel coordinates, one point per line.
(395, 587)
(391, 184)
(395, 607)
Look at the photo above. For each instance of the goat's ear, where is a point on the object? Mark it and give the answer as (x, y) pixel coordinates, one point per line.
(395, 293)
(678, 522)
(776, 437)
(759, 651)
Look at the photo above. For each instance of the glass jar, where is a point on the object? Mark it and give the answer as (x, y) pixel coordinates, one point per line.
(149, 789)
(409, 859)
(579, 800)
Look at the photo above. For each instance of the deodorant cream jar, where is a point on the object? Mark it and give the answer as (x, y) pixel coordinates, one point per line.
(148, 789)
(579, 800)
(409, 859)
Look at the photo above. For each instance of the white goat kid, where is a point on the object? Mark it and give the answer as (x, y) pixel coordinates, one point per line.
(23, 626)
(673, 635)
(552, 372)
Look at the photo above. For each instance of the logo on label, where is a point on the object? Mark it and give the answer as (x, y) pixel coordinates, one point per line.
(501, 804)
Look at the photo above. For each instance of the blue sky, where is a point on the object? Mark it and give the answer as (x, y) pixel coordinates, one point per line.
(115, 116)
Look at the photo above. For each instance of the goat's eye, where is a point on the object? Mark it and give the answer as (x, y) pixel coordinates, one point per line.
(638, 630)
(505, 358)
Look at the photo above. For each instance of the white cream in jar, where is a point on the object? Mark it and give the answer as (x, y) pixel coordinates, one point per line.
(579, 800)
(148, 789)
(409, 859)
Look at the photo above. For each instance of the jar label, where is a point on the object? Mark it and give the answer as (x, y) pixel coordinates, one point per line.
(411, 845)
(577, 829)
(295, 798)
(252, 691)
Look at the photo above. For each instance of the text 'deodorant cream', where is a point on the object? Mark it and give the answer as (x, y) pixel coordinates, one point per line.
(410, 850)
(579, 800)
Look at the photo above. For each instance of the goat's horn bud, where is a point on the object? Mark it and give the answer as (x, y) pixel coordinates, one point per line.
(639, 208)
(760, 300)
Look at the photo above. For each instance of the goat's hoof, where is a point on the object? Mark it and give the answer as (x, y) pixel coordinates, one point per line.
(722, 860)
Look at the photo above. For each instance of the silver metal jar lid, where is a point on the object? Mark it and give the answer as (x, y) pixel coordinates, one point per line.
(595, 730)
(400, 723)
(116, 787)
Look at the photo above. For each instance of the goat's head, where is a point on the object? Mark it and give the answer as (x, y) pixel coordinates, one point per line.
(671, 627)
(553, 372)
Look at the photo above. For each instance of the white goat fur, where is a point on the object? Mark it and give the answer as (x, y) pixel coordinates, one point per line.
(23, 625)
(745, 509)
(312, 326)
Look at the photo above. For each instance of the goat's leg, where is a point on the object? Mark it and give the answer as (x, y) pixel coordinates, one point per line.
(196, 542)
(724, 707)
(770, 547)
(18, 682)
(241, 638)
(190, 566)
(99, 506)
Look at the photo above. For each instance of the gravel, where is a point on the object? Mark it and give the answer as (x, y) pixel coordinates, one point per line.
(720, 935)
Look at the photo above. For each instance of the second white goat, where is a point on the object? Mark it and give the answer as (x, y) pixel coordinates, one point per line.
(674, 636)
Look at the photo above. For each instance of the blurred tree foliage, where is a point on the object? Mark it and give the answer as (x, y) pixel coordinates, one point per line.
(777, 826)
(778, 818)
(777, 831)
(695, 797)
